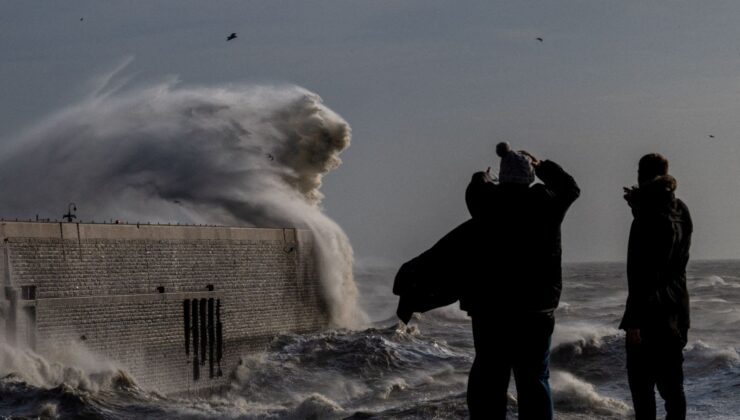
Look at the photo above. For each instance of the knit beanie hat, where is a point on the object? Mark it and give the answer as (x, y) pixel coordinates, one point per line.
(515, 167)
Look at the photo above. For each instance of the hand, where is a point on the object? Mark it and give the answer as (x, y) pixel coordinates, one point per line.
(487, 176)
(535, 162)
(633, 336)
(628, 193)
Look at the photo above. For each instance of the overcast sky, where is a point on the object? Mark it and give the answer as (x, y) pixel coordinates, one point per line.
(429, 88)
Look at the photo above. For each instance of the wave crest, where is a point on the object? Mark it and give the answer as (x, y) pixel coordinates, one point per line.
(235, 155)
(71, 365)
(702, 358)
(573, 394)
(714, 281)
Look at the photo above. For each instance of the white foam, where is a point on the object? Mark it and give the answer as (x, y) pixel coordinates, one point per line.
(701, 351)
(564, 307)
(582, 334)
(451, 312)
(71, 365)
(49, 410)
(319, 407)
(574, 394)
(715, 281)
(392, 386)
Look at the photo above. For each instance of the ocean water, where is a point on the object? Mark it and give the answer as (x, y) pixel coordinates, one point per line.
(391, 371)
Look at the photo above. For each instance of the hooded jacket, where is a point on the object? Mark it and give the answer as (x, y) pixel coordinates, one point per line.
(658, 252)
(519, 257)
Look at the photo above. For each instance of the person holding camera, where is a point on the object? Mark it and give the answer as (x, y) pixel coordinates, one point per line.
(512, 302)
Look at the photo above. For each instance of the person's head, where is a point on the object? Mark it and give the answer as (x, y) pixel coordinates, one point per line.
(515, 168)
(651, 166)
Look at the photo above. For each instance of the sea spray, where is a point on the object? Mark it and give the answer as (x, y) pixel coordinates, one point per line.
(234, 155)
(573, 394)
(71, 365)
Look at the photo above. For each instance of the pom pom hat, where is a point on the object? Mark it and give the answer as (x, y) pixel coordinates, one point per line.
(516, 168)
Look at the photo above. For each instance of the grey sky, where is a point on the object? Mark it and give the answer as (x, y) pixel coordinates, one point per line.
(429, 88)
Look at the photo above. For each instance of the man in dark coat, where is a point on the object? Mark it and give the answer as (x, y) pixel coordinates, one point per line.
(513, 298)
(656, 316)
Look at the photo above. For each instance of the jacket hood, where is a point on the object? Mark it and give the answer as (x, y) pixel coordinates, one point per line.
(657, 194)
(660, 184)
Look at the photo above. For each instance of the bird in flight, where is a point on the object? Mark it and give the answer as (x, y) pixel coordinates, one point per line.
(232, 36)
(539, 39)
(711, 136)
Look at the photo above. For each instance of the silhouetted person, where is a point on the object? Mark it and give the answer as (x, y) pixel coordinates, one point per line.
(656, 317)
(512, 302)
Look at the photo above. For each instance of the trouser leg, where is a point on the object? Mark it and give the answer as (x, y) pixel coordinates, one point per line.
(670, 383)
(487, 387)
(641, 381)
(489, 376)
(531, 368)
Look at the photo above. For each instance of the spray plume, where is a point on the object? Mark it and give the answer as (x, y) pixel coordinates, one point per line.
(236, 155)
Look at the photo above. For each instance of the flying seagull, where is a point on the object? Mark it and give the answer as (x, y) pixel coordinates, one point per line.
(540, 39)
(232, 36)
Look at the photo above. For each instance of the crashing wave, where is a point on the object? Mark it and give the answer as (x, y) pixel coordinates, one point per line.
(230, 155)
(704, 359)
(579, 337)
(715, 282)
(71, 365)
(575, 395)
(590, 351)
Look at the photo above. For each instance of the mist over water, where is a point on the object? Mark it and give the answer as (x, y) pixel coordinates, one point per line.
(237, 155)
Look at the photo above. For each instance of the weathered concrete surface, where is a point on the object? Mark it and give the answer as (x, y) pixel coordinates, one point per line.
(146, 296)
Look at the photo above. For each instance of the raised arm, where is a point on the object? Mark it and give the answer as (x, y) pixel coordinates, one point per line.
(560, 185)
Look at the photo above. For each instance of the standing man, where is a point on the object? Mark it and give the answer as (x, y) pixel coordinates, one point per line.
(656, 317)
(512, 300)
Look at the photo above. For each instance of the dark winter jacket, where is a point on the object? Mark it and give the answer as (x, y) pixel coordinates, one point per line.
(519, 261)
(660, 237)
(506, 258)
(433, 279)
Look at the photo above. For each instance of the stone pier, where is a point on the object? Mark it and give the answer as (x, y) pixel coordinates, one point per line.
(175, 305)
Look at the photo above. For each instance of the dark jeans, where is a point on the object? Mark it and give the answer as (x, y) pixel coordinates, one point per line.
(518, 342)
(656, 361)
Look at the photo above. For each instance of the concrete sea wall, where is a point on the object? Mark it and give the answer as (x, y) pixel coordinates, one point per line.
(175, 305)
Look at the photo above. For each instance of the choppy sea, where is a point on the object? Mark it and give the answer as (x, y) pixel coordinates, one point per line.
(389, 371)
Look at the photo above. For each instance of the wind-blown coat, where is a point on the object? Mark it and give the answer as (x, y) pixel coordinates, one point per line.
(506, 258)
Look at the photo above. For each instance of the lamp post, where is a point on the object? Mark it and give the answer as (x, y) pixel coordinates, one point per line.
(70, 216)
